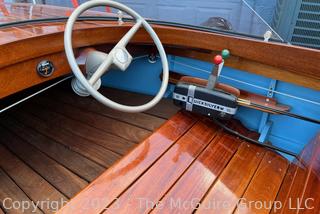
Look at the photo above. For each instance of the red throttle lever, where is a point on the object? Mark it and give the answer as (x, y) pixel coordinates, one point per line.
(218, 61)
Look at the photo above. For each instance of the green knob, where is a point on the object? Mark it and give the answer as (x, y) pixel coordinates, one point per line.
(225, 54)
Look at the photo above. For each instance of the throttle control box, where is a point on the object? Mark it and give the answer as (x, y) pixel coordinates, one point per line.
(212, 103)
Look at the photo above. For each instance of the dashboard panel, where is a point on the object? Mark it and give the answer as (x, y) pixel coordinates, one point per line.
(26, 45)
(23, 75)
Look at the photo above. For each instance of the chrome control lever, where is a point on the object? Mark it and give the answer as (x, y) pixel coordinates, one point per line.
(218, 61)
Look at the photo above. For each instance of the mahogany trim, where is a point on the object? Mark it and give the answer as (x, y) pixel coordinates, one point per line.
(23, 75)
(279, 61)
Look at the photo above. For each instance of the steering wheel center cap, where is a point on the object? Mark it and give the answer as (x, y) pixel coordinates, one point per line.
(121, 55)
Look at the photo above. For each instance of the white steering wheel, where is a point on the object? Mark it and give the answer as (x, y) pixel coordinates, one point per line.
(118, 56)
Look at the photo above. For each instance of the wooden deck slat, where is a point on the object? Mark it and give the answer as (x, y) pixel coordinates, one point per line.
(62, 179)
(76, 143)
(311, 191)
(310, 201)
(28, 180)
(88, 169)
(164, 109)
(194, 184)
(234, 180)
(285, 189)
(123, 174)
(98, 122)
(296, 191)
(165, 172)
(109, 141)
(10, 192)
(301, 182)
(264, 186)
(146, 121)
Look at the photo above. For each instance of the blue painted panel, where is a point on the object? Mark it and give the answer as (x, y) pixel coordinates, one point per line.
(141, 76)
(288, 133)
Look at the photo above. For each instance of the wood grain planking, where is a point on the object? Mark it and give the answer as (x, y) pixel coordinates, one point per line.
(196, 181)
(10, 193)
(96, 123)
(142, 120)
(285, 189)
(310, 201)
(264, 186)
(296, 191)
(111, 184)
(164, 109)
(78, 144)
(88, 34)
(301, 182)
(32, 184)
(233, 181)
(165, 172)
(248, 65)
(311, 191)
(24, 75)
(60, 177)
(311, 153)
(75, 162)
(114, 144)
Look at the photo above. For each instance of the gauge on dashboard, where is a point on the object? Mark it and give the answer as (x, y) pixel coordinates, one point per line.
(45, 68)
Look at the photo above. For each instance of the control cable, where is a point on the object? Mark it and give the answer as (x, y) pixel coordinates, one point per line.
(223, 126)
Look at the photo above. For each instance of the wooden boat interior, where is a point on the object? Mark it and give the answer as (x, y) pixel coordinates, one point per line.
(76, 155)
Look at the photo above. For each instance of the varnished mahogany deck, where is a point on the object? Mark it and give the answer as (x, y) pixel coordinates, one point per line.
(54, 145)
(191, 166)
(57, 144)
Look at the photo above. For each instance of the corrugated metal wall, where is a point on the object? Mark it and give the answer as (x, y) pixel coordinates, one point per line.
(299, 22)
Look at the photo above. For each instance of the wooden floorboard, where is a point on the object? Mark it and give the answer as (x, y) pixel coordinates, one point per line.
(32, 184)
(10, 192)
(301, 186)
(265, 185)
(52, 146)
(119, 177)
(60, 177)
(311, 190)
(201, 175)
(116, 144)
(234, 180)
(74, 142)
(164, 109)
(201, 169)
(96, 121)
(75, 162)
(142, 120)
(165, 172)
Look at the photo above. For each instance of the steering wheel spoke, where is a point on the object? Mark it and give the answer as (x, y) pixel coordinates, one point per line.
(128, 36)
